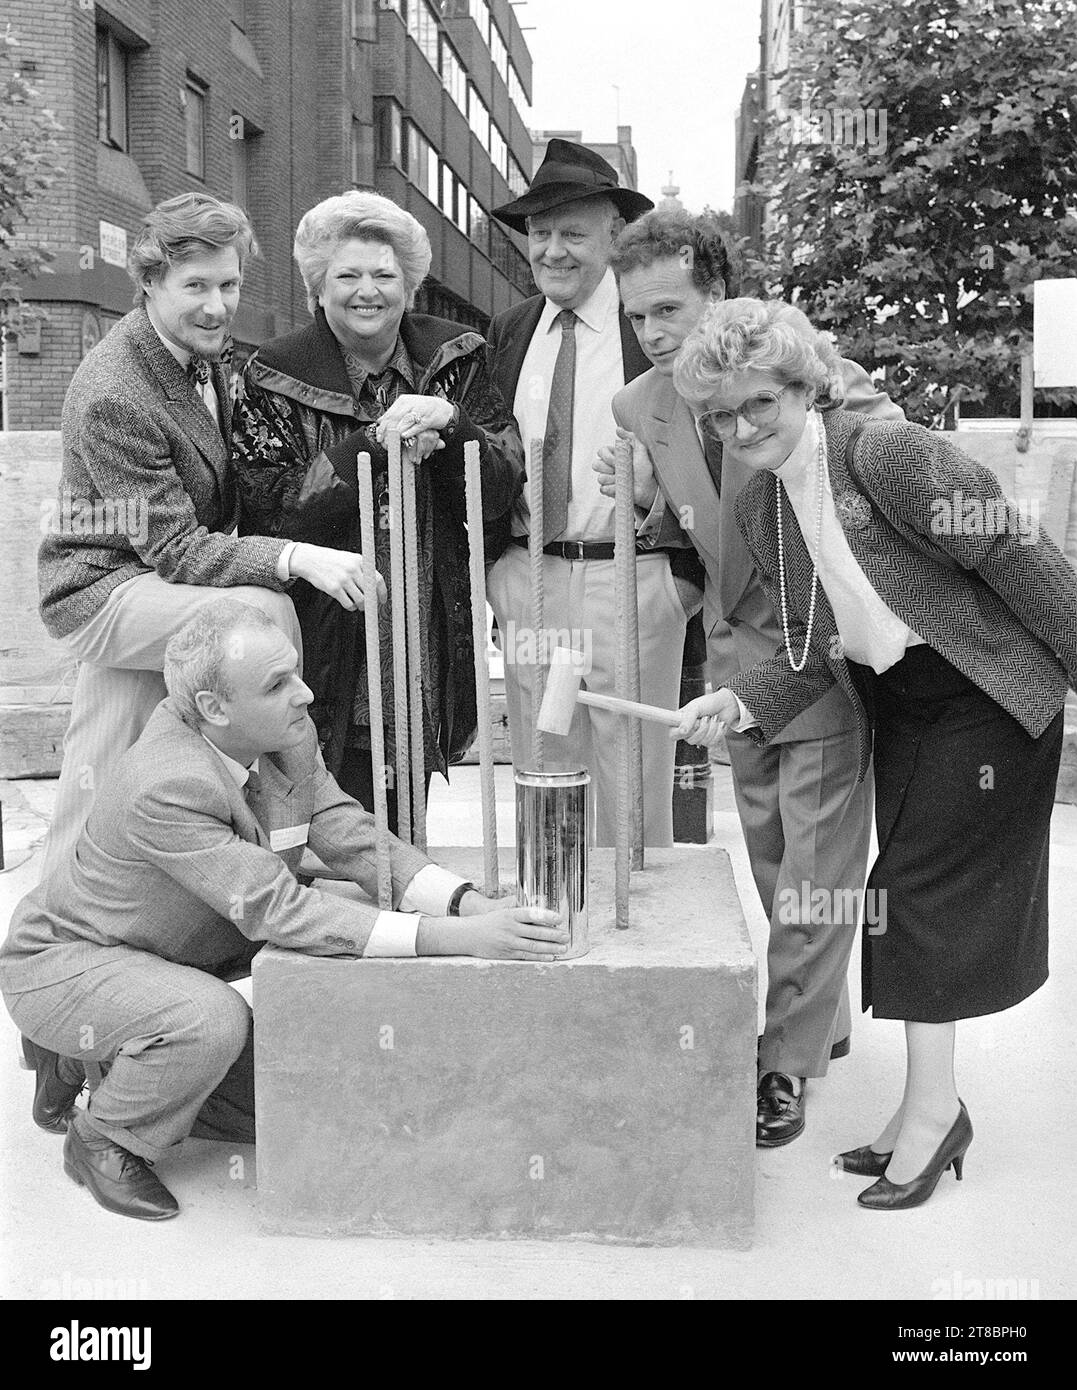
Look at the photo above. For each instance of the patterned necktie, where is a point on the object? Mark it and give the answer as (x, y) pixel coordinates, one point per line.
(557, 445)
(198, 370)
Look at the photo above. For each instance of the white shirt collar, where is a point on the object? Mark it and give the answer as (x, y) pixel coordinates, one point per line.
(595, 312)
(181, 355)
(239, 774)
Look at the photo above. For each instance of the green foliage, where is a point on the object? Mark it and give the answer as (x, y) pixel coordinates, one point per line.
(917, 250)
(27, 168)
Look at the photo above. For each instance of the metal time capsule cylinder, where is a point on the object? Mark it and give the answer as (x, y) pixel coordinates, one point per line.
(551, 848)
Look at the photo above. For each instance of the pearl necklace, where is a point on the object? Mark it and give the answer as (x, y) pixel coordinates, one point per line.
(780, 489)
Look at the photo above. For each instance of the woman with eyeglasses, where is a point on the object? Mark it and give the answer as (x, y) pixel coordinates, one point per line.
(903, 574)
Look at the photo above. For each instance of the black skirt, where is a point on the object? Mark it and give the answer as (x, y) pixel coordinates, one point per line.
(963, 802)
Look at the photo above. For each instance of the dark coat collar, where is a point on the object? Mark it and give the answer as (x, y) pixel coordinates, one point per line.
(313, 357)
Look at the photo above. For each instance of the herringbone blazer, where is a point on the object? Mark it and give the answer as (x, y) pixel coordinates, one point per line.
(140, 446)
(740, 624)
(175, 860)
(1007, 619)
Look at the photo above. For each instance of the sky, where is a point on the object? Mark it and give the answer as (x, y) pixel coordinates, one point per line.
(680, 66)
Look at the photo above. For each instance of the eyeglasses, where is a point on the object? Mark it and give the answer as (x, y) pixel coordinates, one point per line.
(761, 409)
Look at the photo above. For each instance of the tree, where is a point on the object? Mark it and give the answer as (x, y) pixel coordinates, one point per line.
(917, 183)
(28, 167)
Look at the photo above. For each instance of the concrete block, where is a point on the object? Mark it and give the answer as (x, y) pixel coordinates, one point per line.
(606, 1098)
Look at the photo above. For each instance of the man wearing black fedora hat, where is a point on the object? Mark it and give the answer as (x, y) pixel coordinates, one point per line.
(559, 358)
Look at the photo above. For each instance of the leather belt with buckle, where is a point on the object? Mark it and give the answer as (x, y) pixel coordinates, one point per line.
(585, 550)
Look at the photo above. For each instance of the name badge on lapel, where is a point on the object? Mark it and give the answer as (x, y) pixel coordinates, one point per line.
(288, 836)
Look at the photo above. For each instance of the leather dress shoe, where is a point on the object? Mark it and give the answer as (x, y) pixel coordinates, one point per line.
(120, 1181)
(779, 1114)
(864, 1162)
(53, 1096)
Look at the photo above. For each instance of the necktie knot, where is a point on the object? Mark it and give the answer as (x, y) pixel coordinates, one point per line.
(198, 370)
(567, 320)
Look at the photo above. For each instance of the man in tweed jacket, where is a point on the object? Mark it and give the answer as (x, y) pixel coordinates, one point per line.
(143, 532)
(185, 867)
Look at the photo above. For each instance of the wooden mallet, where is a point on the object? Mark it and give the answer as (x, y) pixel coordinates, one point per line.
(563, 693)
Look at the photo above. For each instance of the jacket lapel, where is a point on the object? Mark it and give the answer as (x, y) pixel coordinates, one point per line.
(508, 360)
(633, 358)
(736, 563)
(682, 468)
(224, 404)
(181, 402)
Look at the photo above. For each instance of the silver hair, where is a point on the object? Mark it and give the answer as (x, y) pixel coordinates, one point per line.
(740, 335)
(363, 217)
(194, 656)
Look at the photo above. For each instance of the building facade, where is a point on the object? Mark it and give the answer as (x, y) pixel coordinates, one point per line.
(274, 104)
(620, 154)
(764, 94)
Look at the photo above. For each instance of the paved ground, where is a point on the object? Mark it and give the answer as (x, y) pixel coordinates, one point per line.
(1007, 1230)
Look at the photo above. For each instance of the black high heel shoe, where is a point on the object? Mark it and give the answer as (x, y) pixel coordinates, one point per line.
(885, 1195)
(864, 1162)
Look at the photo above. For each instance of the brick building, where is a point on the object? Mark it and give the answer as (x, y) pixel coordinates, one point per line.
(275, 104)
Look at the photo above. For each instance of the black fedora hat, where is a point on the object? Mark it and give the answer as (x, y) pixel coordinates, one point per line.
(569, 172)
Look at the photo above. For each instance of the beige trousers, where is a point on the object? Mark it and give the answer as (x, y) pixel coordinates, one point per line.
(579, 612)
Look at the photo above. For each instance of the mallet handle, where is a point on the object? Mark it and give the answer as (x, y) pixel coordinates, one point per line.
(611, 702)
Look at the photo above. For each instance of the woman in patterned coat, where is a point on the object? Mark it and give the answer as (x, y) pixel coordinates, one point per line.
(311, 403)
(902, 573)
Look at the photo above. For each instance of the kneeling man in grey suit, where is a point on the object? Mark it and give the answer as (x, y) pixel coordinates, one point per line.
(184, 868)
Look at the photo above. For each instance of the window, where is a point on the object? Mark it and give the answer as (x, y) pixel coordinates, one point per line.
(454, 199)
(499, 52)
(194, 116)
(517, 179)
(388, 126)
(422, 163)
(362, 154)
(452, 75)
(364, 23)
(499, 151)
(478, 117)
(480, 225)
(423, 28)
(480, 13)
(462, 200)
(510, 261)
(518, 96)
(445, 202)
(111, 90)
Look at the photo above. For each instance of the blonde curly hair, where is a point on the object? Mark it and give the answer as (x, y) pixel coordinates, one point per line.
(740, 335)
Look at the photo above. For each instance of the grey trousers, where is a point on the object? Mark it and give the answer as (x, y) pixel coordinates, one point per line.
(121, 650)
(177, 1042)
(807, 826)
